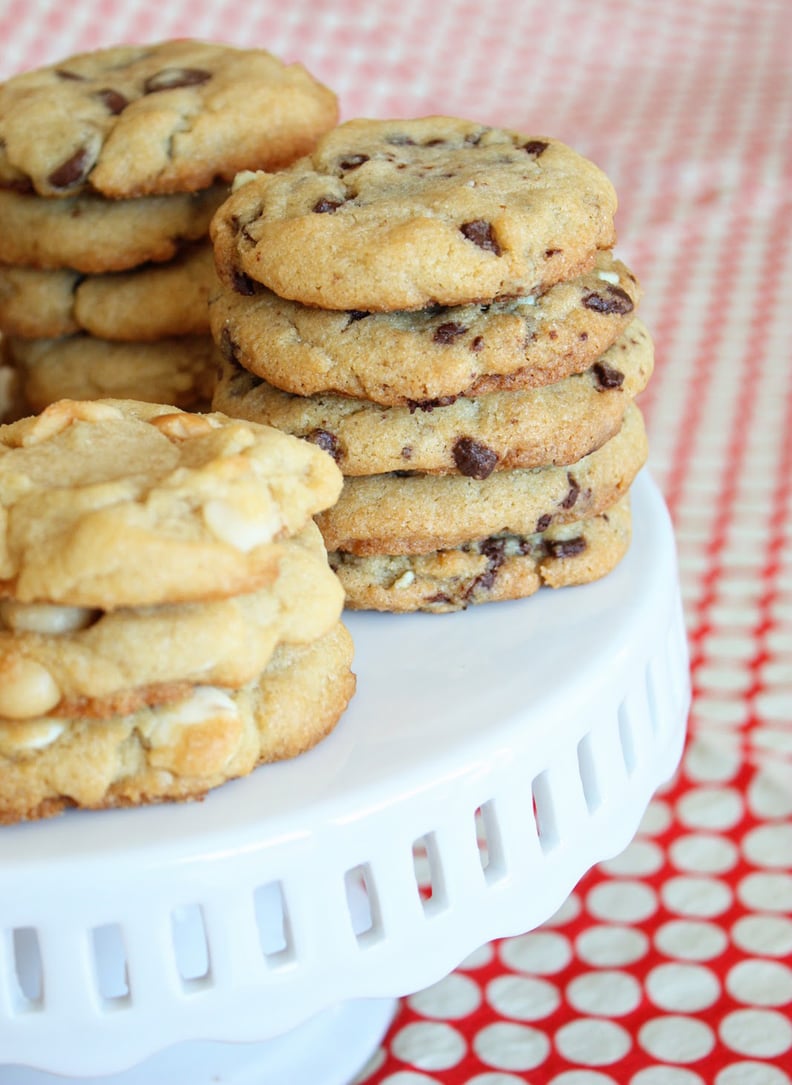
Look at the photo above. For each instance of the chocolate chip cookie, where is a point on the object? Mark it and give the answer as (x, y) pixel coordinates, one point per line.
(499, 567)
(141, 120)
(416, 513)
(90, 234)
(552, 424)
(405, 214)
(179, 371)
(154, 301)
(414, 358)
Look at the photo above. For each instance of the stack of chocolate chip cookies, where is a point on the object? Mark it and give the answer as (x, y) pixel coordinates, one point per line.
(168, 618)
(436, 303)
(111, 166)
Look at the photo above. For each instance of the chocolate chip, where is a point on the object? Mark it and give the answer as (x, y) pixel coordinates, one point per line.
(113, 101)
(242, 283)
(612, 300)
(572, 495)
(355, 315)
(480, 233)
(544, 522)
(551, 252)
(483, 582)
(447, 333)
(228, 348)
(477, 344)
(607, 377)
(171, 78)
(565, 548)
(429, 405)
(73, 170)
(474, 460)
(406, 452)
(327, 441)
(353, 161)
(494, 550)
(535, 147)
(398, 140)
(439, 598)
(327, 205)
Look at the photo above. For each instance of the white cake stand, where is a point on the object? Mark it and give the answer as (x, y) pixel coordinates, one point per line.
(512, 746)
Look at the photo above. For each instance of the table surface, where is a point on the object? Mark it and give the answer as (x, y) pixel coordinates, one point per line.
(669, 965)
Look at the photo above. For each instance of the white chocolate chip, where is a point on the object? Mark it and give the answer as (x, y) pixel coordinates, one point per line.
(239, 530)
(609, 277)
(44, 733)
(404, 580)
(44, 617)
(30, 734)
(204, 703)
(244, 177)
(26, 689)
(181, 426)
(60, 415)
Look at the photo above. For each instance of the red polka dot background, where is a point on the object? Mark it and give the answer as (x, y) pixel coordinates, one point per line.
(672, 963)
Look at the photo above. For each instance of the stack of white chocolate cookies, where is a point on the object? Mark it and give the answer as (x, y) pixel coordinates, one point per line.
(111, 166)
(437, 304)
(168, 618)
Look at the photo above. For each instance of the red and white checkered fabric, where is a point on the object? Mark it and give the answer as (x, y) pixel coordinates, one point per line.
(671, 964)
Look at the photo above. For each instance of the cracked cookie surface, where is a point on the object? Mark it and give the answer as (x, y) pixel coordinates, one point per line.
(172, 116)
(118, 503)
(403, 214)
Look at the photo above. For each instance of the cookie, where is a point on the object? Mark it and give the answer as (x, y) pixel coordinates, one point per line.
(152, 119)
(500, 567)
(178, 751)
(69, 661)
(404, 214)
(115, 503)
(416, 513)
(90, 234)
(179, 371)
(152, 302)
(553, 424)
(412, 358)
